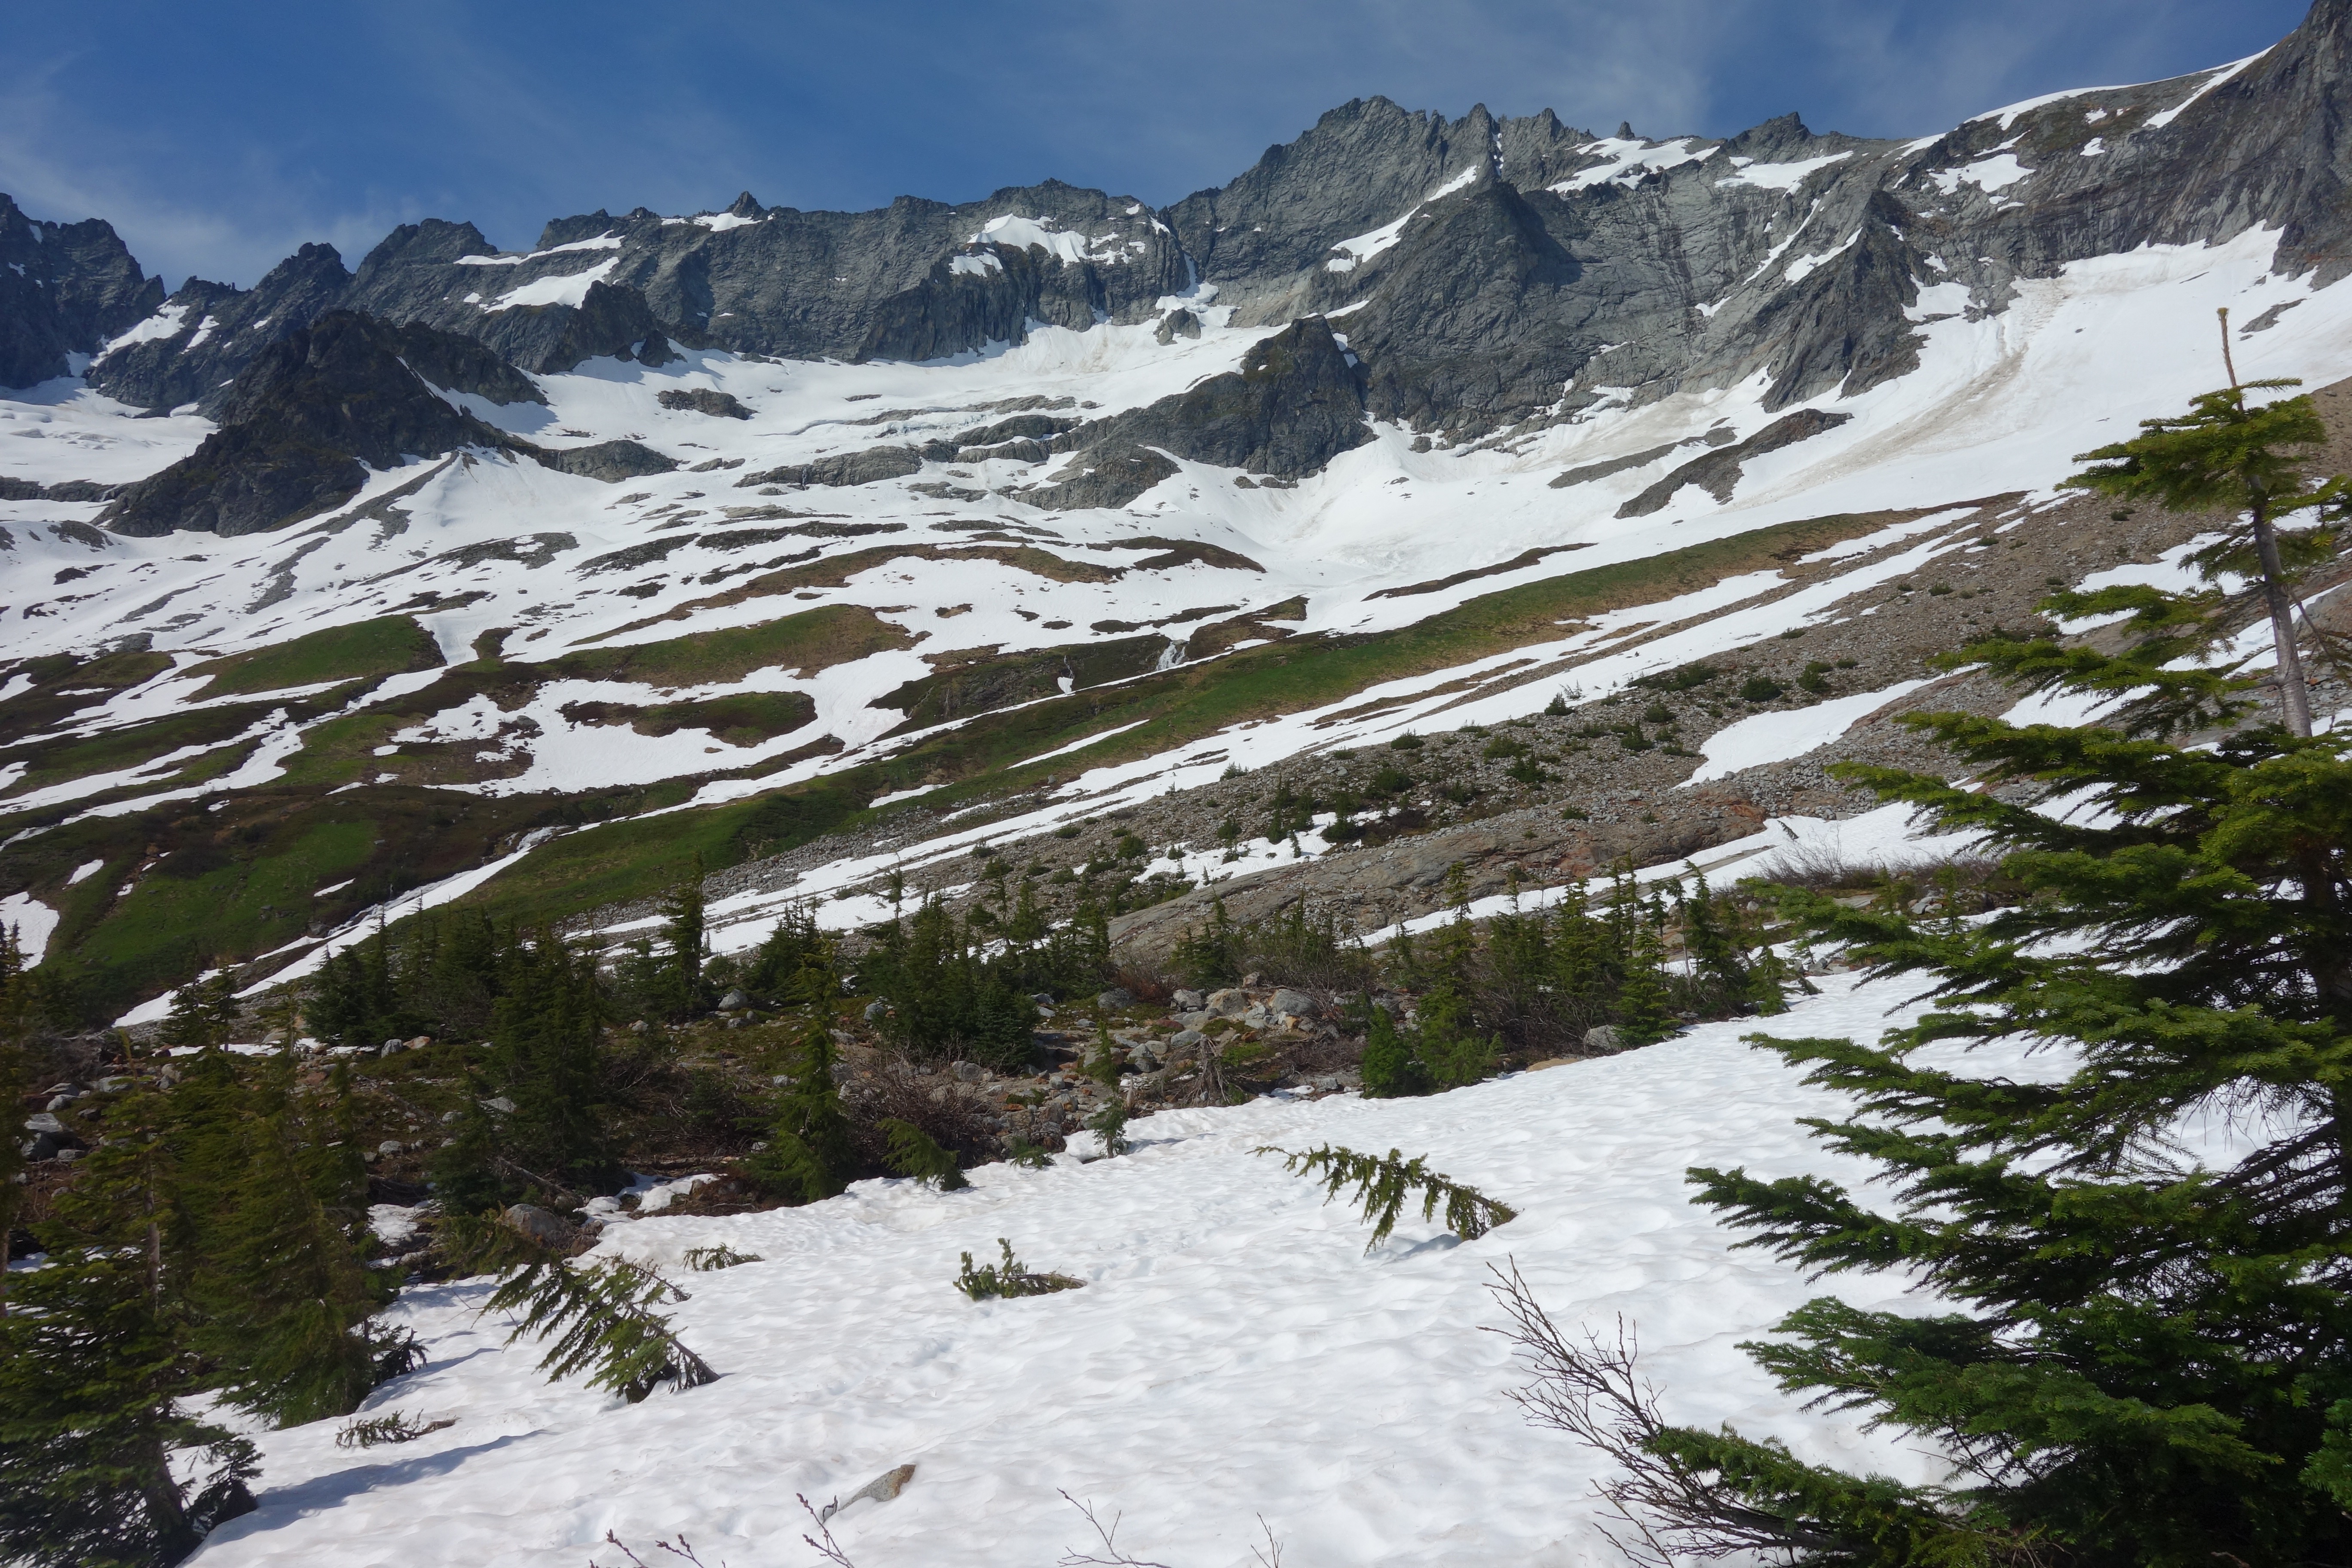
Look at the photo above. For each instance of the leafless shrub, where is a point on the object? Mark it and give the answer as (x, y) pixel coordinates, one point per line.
(952, 1113)
(683, 1549)
(1662, 1512)
(1109, 1553)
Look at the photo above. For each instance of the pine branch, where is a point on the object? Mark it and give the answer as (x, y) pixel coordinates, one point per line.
(1009, 1278)
(601, 1318)
(1383, 1184)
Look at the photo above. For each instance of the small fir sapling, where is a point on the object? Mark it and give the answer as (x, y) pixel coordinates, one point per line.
(1383, 1184)
(915, 1153)
(397, 1428)
(1009, 1278)
(703, 1259)
(1110, 1124)
(600, 1318)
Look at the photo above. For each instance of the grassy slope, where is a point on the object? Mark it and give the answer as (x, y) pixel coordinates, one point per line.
(633, 860)
(389, 645)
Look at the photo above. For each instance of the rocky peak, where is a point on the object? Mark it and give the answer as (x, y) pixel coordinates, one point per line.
(65, 289)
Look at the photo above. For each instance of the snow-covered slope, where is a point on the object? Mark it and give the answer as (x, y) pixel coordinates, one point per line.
(659, 577)
(1234, 1353)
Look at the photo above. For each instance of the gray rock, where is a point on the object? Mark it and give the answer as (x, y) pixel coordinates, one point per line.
(840, 469)
(607, 461)
(500, 1104)
(1186, 1040)
(734, 1001)
(877, 1011)
(1717, 472)
(40, 1146)
(1199, 1020)
(702, 400)
(1229, 1003)
(1296, 1004)
(1604, 1038)
(1186, 1001)
(43, 1122)
(389, 1146)
(64, 289)
(1115, 998)
(303, 426)
(536, 1225)
(971, 1072)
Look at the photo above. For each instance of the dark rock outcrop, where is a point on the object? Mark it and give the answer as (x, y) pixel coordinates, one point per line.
(218, 330)
(702, 400)
(1295, 404)
(303, 426)
(1717, 472)
(839, 468)
(610, 461)
(65, 289)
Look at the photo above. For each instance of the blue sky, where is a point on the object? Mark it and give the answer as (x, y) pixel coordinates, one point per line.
(218, 138)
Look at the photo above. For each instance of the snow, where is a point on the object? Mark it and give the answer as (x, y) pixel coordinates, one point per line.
(1781, 737)
(1805, 265)
(601, 242)
(1629, 161)
(1781, 176)
(978, 266)
(570, 289)
(168, 322)
(1024, 232)
(84, 872)
(1234, 1353)
(32, 921)
(2158, 121)
(1364, 246)
(1989, 174)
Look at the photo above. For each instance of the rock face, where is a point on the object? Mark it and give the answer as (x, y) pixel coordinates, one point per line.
(65, 289)
(207, 334)
(1496, 273)
(301, 426)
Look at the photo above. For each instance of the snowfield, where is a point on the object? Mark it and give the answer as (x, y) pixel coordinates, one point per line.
(1234, 1353)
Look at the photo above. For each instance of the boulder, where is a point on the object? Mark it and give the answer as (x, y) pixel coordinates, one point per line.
(734, 1002)
(1296, 1004)
(1115, 998)
(42, 1122)
(877, 1011)
(537, 1225)
(1604, 1038)
(1186, 1040)
(1188, 1001)
(1200, 1020)
(1229, 1003)
(420, 1042)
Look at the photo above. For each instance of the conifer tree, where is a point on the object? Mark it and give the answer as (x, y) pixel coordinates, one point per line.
(202, 1014)
(96, 1358)
(2249, 460)
(16, 1083)
(1390, 1069)
(283, 1294)
(2147, 1359)
(546, 1057)
(809, 1153)
(682, 933)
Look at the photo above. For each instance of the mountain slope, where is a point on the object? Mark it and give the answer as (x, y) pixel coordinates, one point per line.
(940, 527)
